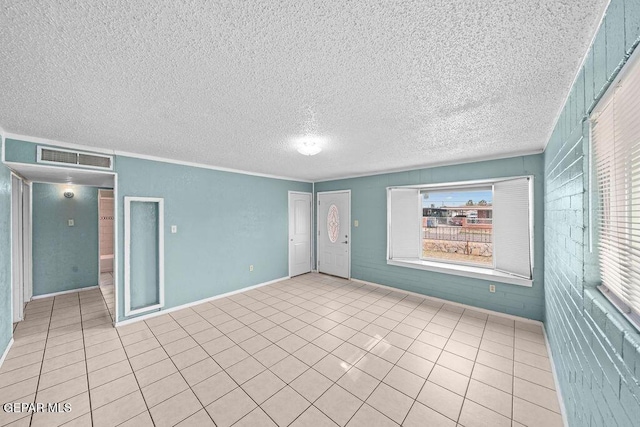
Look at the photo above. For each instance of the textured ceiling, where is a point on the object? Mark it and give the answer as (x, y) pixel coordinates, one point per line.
(387, 85)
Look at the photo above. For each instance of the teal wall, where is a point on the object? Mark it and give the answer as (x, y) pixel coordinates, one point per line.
(369, 239)
(64, 258)
(595, 350)
(5, 258)
(226, 222)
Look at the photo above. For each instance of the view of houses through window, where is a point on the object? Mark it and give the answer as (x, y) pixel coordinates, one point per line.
(457, 225)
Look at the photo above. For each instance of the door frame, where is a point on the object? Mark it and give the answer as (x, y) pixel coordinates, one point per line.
(127, 255)
(318, 228)
(17, 253)
(289, 193)
(115, 231)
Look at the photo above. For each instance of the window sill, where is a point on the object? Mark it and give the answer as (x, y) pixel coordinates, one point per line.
(462, 270)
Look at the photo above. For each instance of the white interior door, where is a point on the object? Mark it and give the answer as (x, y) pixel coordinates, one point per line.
(299, 233)
(334, 231)
(17, 264)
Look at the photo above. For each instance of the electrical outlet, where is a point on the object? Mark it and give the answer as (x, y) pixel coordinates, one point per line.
(174, 229)
(251, 267)
(492, 288)
(71, 223)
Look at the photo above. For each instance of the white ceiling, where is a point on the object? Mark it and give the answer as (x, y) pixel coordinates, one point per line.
(58, 175)
(388, 85)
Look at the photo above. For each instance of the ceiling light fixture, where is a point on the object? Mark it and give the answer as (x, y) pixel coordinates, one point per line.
(309, 149)
(68, 193)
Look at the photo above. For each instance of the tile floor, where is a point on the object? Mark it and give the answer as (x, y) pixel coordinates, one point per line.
(310, 351)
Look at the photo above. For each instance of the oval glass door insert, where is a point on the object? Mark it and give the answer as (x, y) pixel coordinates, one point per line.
(333, 223)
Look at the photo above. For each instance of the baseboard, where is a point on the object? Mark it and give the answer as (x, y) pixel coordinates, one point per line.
(200, 301)
(6, 351)
(70, 291)
(457, 304)
(563, 409)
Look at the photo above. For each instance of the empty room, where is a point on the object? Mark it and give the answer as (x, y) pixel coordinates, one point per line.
(330, 213)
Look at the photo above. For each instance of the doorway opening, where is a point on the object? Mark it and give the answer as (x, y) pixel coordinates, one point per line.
(106, 216)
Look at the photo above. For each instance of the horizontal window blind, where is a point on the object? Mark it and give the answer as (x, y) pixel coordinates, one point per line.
(511, 227)
(615, 136)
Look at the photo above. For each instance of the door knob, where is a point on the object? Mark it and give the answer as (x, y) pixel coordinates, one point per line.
(346, 241)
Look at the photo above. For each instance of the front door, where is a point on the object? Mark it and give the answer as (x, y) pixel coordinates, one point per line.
(334, 231)
(299, 233)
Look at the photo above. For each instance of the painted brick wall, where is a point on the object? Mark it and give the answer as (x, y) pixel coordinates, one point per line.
(595, 350)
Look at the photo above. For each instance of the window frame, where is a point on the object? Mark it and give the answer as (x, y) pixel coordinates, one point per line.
(460, 268)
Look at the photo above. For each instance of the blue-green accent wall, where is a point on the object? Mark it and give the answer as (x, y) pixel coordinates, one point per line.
(6, 323)
(64, 258)
(226, 222)
(596, 352)
(369, 239)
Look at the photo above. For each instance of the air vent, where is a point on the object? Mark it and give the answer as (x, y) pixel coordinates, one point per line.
(93, 160)
(74, 158)
(59, 156)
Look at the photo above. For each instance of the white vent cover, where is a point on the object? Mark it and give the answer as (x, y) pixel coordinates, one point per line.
(74, 158)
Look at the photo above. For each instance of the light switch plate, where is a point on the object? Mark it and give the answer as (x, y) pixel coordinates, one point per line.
(174, 229)
(71, 223)
(355, 223)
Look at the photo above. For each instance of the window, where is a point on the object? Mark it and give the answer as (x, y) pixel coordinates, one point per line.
(615, 137)
(479, 229)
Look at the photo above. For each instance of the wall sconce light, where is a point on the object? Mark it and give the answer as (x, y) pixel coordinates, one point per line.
(68, 193)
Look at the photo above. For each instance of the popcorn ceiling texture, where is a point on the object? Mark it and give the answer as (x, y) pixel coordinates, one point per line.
(391, 85)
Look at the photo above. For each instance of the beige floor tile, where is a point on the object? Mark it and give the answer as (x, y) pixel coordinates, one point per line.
(456, 363)
(494, 361)
(246, 369)
(231, 408)
(532, 347)
(119, 410)
(310, 354)
(230, 356)
(328, 342)
(415, 364)
(404, 381)
(113, 390)
(13, 392)
(497, 348)
(312, 417)
(140, 335)
(102, 348)
(263, 386)
(390, 402)
(311, 384)
(493, 377)
(7, 418)
(419, 413)
(61, 375)
(147, 359)
(474, 415)
(374, 366)
(424, 350)
(213, 388)
(358, 383)
(141, 347)
(81, 421)
(449, 379)
(79, 406)
(534, 375)
(387, 352)
(163, 389)
(179, 346)
(200, 371)
(20, 374)
(338, 404)
(368, 417)
(155, 372)
(441, 400)
(255, 344)
(175, 409)
(106, 359)
(109, 373)
(63, 391)
(531, 359)
(18, 351)
(333, 367)
(489, 397)
(534, 393)
(461, 349)
(499, 338)
(533, 415)
(285, 406)
(143, 419)
(22, 361)
(189, 357)
(271, 355)
(199, 419)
